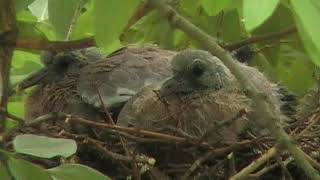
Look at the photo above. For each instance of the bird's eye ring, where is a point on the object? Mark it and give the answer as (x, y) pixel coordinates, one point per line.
(197, 67)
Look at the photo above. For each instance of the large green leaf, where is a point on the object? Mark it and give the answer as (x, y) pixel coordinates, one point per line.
(111, 16)
(23, 170)
(213, 7)
(61, 15)
(255, 12)
(306, 13)
(76, 171)
(45, 147)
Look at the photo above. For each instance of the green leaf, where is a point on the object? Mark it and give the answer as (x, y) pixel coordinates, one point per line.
(28, 29)
(16, 108)
(22, 4)
(306, 12)
(23, 63)
(190, 6)
(256, 12)
(4, 174)
(26, 16)
(84, 25)
(61, 15)
(76, 171)
(23, 170)
(213, 7)
(111, 16)
(45, 147)
(39, 8)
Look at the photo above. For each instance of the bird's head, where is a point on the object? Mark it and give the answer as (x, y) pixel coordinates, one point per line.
(59, 65)
(196, 70)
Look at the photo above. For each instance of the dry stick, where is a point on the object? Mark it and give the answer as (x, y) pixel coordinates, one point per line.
(124, 145)
(260, 38)
(107, 153)
(103, 126)
(261, 100)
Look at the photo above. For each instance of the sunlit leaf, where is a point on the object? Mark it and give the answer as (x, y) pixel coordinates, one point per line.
(256, 12)
(110, 19)
(39, 8)
(44, 147)
(76, 171)
(306, 12)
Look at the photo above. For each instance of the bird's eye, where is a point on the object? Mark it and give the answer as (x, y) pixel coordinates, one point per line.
(197, 67)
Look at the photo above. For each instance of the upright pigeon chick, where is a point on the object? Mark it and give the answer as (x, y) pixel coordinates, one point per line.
(201, 99)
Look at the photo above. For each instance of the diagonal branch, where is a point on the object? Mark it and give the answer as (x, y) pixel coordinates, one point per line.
(260, 38)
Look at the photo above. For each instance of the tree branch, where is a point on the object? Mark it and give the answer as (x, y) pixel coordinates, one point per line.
(57, 46)
(8, 27)
(261, 100)
(260, 38)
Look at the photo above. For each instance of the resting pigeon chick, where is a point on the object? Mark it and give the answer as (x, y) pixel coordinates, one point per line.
(202, 99)
(71, 82)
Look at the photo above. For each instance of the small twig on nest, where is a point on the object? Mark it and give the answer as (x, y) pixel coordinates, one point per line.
(245, 172)
(197, 164)
(269, 168)
(145, 133)
(107, 154)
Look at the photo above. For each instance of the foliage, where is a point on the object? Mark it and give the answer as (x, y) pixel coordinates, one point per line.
(289, 60)
(14, 167)
(44, 147)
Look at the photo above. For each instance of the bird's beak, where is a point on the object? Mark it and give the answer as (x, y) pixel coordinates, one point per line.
(33, 79)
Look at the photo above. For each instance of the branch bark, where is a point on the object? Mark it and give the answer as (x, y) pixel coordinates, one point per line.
(46, 45)
(8, 28)
(260, 38)
(262, 105)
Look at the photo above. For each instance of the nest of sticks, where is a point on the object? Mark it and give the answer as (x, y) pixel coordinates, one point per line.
(122, 151)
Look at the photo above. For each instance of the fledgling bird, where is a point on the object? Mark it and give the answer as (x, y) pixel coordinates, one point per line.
(201, 95)
(72, 82)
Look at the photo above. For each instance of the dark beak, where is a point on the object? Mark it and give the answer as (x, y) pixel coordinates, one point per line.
(33, 79)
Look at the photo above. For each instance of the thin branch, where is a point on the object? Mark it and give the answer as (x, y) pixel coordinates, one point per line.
(260, 38)
(8, 28)
(141, 132)
(44, 44)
